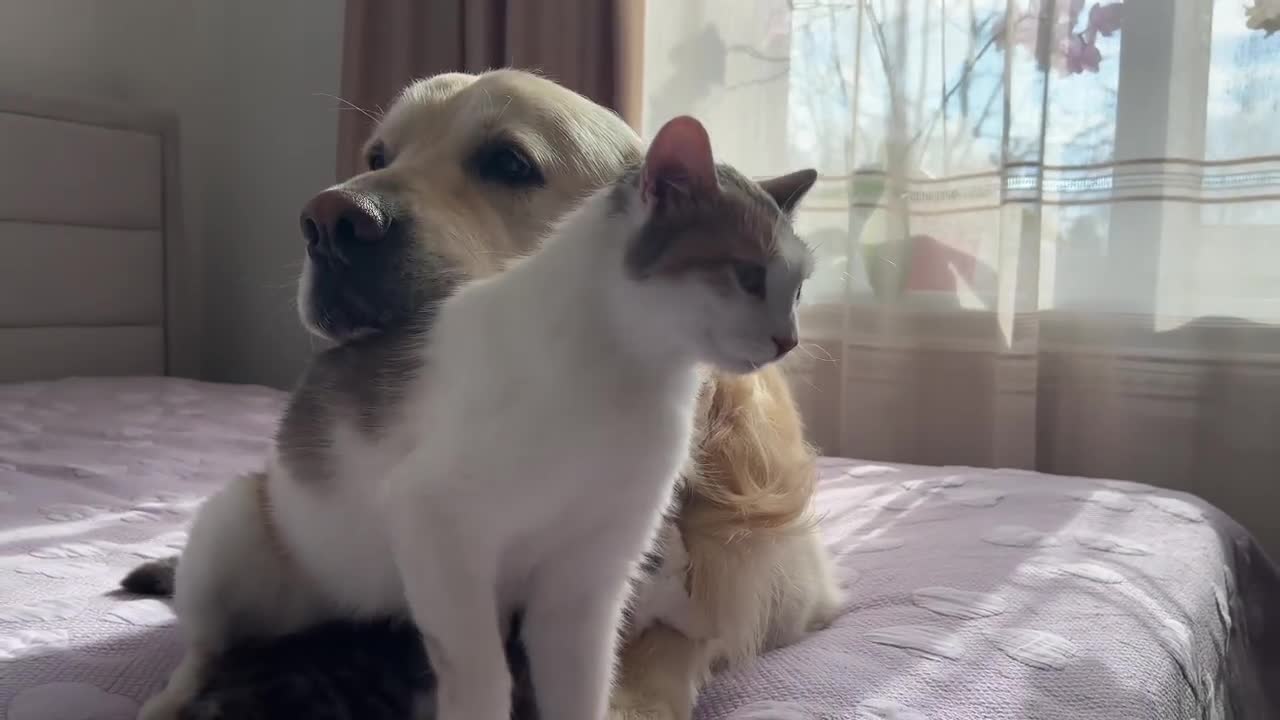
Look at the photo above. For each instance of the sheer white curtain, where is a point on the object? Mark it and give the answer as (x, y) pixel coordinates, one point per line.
(1049, 232)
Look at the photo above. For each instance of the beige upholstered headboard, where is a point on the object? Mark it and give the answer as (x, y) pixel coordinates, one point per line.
(95, 278)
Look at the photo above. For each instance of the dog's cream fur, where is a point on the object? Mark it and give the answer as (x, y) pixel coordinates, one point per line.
(757, 573)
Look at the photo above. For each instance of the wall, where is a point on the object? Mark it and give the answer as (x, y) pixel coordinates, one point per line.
(280, 71)
(251, 82)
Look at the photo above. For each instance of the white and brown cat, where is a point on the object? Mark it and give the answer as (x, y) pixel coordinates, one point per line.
(544, 435)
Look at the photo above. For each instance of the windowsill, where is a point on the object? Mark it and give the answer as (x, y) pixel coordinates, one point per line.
(954, 329)
(905, 324)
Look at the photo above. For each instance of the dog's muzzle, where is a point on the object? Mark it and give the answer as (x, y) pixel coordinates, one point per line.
(360, 269)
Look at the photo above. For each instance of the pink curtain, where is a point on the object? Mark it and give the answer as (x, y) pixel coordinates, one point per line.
(591, 46)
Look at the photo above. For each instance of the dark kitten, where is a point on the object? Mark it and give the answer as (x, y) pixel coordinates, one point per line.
(337, 671)
(152, 578)
(341, 670)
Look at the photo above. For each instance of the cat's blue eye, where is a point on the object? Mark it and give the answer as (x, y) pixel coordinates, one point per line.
(750, 278)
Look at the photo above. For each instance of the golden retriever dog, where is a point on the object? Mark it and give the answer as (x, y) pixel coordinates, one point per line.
(463, 173)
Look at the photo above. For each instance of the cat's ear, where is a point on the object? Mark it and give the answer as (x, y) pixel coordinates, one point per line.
(679, 164)
(788, 190)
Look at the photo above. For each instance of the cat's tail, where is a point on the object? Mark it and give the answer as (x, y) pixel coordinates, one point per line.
(153, 578)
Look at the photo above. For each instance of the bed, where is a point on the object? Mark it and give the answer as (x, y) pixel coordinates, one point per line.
(971, 594)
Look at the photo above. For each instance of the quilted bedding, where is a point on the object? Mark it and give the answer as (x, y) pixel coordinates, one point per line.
(971, 594)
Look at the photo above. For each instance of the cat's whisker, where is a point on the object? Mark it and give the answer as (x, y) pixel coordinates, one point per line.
(805, 347)
(809, 383)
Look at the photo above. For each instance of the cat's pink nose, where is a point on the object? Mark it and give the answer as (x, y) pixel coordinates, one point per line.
(784, 344)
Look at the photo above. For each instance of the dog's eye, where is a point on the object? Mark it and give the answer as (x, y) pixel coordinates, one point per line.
(377, 158)
(750, 277)
(508, 165)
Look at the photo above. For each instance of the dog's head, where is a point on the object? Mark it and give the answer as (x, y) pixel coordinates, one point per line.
(464, 172)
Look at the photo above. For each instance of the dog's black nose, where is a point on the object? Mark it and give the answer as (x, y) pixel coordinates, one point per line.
(337, 219)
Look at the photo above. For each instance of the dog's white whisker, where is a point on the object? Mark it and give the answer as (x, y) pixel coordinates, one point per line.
(504, 109)
(350, 106)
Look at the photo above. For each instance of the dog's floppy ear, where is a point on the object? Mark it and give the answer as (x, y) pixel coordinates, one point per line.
(679, 165)
(788, 190)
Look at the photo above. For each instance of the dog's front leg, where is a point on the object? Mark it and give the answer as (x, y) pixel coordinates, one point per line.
(660, 672)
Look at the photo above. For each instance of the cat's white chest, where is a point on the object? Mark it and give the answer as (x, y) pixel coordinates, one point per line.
(543, 457)
(591, 510)
(573, 468)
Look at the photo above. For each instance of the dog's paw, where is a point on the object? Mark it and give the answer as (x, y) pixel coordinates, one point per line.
(636, 706)
(643, 713)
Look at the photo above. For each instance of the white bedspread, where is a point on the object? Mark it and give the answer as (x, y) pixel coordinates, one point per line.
(95, 476)
(972, 594)
(1007, 595)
